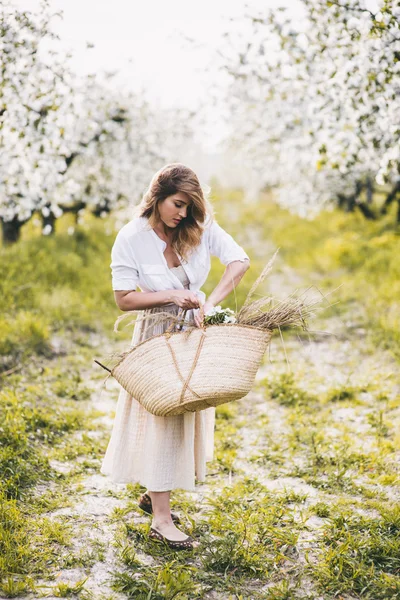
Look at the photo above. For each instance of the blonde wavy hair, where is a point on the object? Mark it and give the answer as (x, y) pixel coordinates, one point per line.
(169, 180)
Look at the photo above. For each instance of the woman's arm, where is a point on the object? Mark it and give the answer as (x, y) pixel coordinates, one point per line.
(132, 300)
(229, 280)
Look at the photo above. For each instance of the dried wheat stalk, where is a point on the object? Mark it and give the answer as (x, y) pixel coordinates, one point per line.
(292, 311)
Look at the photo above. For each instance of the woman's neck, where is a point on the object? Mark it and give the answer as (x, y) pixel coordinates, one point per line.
(163, 231)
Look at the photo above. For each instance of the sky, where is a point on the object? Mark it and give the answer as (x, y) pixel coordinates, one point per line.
(146, 41)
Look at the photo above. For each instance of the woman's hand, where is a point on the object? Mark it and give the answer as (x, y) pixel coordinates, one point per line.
(199, 315)
(185, 299)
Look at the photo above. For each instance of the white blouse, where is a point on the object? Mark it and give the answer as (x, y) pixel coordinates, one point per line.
(137, 258)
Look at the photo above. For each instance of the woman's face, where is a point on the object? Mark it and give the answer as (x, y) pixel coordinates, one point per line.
(173, 209)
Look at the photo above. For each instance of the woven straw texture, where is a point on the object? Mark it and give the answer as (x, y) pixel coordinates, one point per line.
(171, 374)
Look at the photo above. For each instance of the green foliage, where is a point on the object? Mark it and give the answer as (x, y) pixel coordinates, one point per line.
(284, 390)
(338, 248)
(341, 394)
(248, 531)
(25, 332)
(227, 439)
(284, 590)
(12, 587)
(361, 555)
(321, 510)
(39, 414)
(55, 283)
(26, 425)
(64, 590)
(172, 580)
(28, 545)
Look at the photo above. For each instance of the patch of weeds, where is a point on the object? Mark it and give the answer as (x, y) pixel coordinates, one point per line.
(345, 484)
(72, 387)
(227, 439)
(388, 479)
(36, 424)
(247, 532)
(47, 501)
(132, 490)
(378, 423)
(167, 582)
(344, 393)
(328, 459)
(290, 496)
(85, 557)
(28, 545)
(64, 590)
(23, 333)
(284, 390)
(137, 532)
(272, 451)
(12, 587)
(361, 555)
(127, 554)
(84, 445)
(284, 590)
(321, 510)
(27, 423)
(22, 467)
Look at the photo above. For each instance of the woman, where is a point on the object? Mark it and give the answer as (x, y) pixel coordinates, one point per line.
(165, 250)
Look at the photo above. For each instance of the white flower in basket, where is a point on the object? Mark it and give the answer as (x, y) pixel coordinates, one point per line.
(219, 315)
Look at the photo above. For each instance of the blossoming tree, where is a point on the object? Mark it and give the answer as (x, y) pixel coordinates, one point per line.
(315, 104)
(70, 143)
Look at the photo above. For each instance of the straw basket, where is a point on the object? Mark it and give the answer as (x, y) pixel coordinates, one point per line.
(188, 371)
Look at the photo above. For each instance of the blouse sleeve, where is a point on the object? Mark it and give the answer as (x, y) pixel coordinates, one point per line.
(222, 245)
(124, 271)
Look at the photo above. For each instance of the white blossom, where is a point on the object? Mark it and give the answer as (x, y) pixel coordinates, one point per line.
(323, 114)
(69, 141)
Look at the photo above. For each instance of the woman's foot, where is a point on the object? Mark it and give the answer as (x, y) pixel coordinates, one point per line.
(168, 529)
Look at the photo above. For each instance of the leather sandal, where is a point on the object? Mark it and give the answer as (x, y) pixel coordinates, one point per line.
(186, 544)
(146, 506)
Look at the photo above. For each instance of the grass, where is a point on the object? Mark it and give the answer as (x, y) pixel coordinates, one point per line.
(44, 418)
(344, 249)
(54, 285)
(361, 555)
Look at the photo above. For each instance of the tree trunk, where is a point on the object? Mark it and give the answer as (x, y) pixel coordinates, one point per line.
(11, 230)
(75, 208)
(370, 190)
(350, 203)
(341, 201)
(390, 197)
(366, 211)
(49, 220)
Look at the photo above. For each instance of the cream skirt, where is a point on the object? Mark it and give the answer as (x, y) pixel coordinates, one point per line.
(161, 453)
